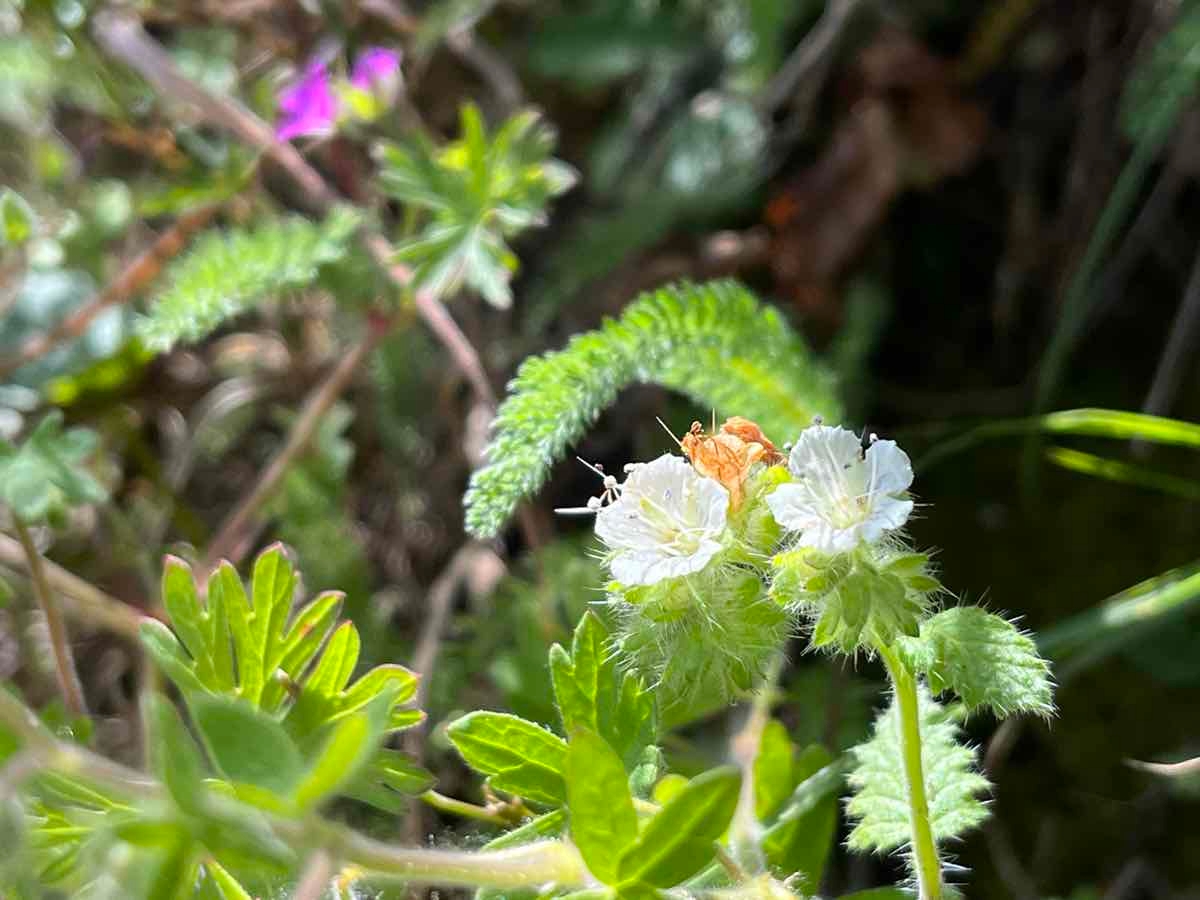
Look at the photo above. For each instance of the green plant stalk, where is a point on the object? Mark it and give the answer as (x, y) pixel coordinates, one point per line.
(463, 808)
(531, 865)
(64, 662)
(925, 856)
(527, 866)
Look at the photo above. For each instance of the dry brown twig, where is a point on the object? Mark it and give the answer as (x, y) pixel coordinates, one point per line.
(132, 280)
(85, 601)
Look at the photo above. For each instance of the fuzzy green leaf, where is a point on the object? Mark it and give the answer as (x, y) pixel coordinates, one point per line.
(517, 756)
(879, 805)
(478, 191)
(987, 661)
(228, 272)
(713, 342)
(549, 824)
(773, 769)
(603, 822)
(678, 841)
(387, 782)
(45, 475)
(351, 743)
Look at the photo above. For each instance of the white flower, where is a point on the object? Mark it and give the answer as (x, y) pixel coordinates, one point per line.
(841, 495)
(667, 522)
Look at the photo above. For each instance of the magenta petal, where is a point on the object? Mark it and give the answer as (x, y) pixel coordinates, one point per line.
(308, 106)
(374, 66)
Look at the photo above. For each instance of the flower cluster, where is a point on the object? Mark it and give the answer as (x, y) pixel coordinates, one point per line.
(713, 552)
(315, 103)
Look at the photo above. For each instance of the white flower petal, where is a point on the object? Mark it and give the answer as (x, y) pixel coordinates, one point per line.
(792, 506)
(667, 522)
(840, 495)
(890, 467)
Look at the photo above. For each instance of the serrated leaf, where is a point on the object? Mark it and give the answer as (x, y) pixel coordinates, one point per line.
(987, 661)
(713, 342)
(879, 804)
(517, 756)
(476, 192)
(603, 822)
(678, 841)
(227, 272)
(300, 674)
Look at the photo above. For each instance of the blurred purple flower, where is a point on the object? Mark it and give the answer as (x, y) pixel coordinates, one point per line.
(376, 68)
(308, 106)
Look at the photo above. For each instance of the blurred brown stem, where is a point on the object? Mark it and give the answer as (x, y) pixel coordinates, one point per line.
(64, 663)
(231, 541)
(136, 276)
(85, 601)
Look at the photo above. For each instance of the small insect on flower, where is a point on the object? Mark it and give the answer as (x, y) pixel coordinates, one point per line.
(841, 494)
(612, 490)
(728, 455)
(666, 521)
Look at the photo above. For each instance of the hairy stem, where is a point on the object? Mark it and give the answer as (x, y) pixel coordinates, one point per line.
(464, 809)
(64, 662)
(745, 835)
(531, 865)
(925, 857)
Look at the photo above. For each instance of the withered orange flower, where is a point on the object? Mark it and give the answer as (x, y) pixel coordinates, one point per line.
(728, 455)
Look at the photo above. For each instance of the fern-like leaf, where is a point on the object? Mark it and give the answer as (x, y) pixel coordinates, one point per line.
(714, 342)
(228, 272)
(880, 800)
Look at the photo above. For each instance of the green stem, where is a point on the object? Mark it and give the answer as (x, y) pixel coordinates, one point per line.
(531, 865)
(64, 663)
(463, 808)
(925, 856)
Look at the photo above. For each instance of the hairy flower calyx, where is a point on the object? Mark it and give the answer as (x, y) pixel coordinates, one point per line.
(862, 599)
